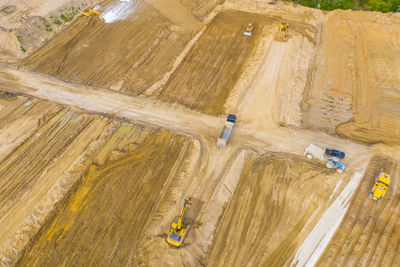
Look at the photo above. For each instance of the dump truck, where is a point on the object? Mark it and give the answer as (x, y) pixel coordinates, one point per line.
(226, 131)
(380, 187)
(179, 230)
(313, 151)
(249, 30)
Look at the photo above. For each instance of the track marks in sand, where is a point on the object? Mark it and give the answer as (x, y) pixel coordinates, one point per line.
(128, 56)
(271, 211)
(209, 71)
(105, 217)
(368, 233)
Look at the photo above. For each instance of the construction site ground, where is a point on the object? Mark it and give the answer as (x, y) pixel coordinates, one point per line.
(105, 128)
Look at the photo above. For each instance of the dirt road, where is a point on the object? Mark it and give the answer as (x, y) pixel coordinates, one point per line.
(179, 119)
(254, 134)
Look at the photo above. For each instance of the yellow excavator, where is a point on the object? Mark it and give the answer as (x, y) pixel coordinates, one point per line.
(381, 185)
(284, 27)
(178, 229)
(95, 10)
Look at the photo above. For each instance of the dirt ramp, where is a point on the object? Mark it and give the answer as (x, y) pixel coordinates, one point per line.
(128, 55)
(369, 234)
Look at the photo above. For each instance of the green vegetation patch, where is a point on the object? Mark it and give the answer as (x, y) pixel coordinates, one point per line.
(372, 5)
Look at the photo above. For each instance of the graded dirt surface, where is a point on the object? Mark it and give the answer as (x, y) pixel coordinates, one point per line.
(42, 152)
(103, 221)
(207, 74)
(277, 201)
(369, 234)
(354, 86)
(128, 55)
(104, 172)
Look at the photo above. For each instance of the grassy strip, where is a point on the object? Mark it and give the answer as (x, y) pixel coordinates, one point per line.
(371, 5)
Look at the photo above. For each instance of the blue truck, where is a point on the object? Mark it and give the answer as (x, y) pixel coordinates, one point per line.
(335, 153)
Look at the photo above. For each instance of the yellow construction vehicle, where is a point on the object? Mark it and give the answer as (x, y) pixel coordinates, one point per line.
(381, 185)
(284, 27)
(178, 229)
(249, 30)
(95, 10)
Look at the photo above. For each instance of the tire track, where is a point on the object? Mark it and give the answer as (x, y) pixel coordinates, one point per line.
(366, 231)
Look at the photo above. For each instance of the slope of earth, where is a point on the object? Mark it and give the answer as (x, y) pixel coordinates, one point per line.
(369, 234)
(208, 72)
(127, 55)
(43, 148)
(278, 200)
(26, 25)
(355, 91)
(104, 219)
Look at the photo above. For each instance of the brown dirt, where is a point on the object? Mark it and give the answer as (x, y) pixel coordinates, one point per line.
(368, 235)
(249, 210)
(273, 207)
(105, 218)
(27, 20)
(355, 78)
(128, 55)
(40, 147)
(207, 74)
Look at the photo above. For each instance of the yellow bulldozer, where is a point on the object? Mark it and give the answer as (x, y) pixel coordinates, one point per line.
(284, 27)
(95, 10)
(178, 229)
(380, 187)
(249, 29)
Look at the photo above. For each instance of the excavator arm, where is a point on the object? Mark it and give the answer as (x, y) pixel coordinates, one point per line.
(178, 229)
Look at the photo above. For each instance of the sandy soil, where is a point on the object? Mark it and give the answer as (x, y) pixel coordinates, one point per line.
(190, 61)
(22, 24)
(206, 75)
(368, 235)
(127, 55)
(41, 150)
(104, 220)
(273, 207)
(354, 91)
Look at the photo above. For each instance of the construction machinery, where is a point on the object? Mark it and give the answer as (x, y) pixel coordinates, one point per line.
(313, 151)
(178, 229)
(249, 29)
(284, 27)
(95, 10)
(380, 187)
(226, 131)
(334, 162)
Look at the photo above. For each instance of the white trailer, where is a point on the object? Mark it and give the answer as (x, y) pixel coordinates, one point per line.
(312, 151)
(226, 131)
